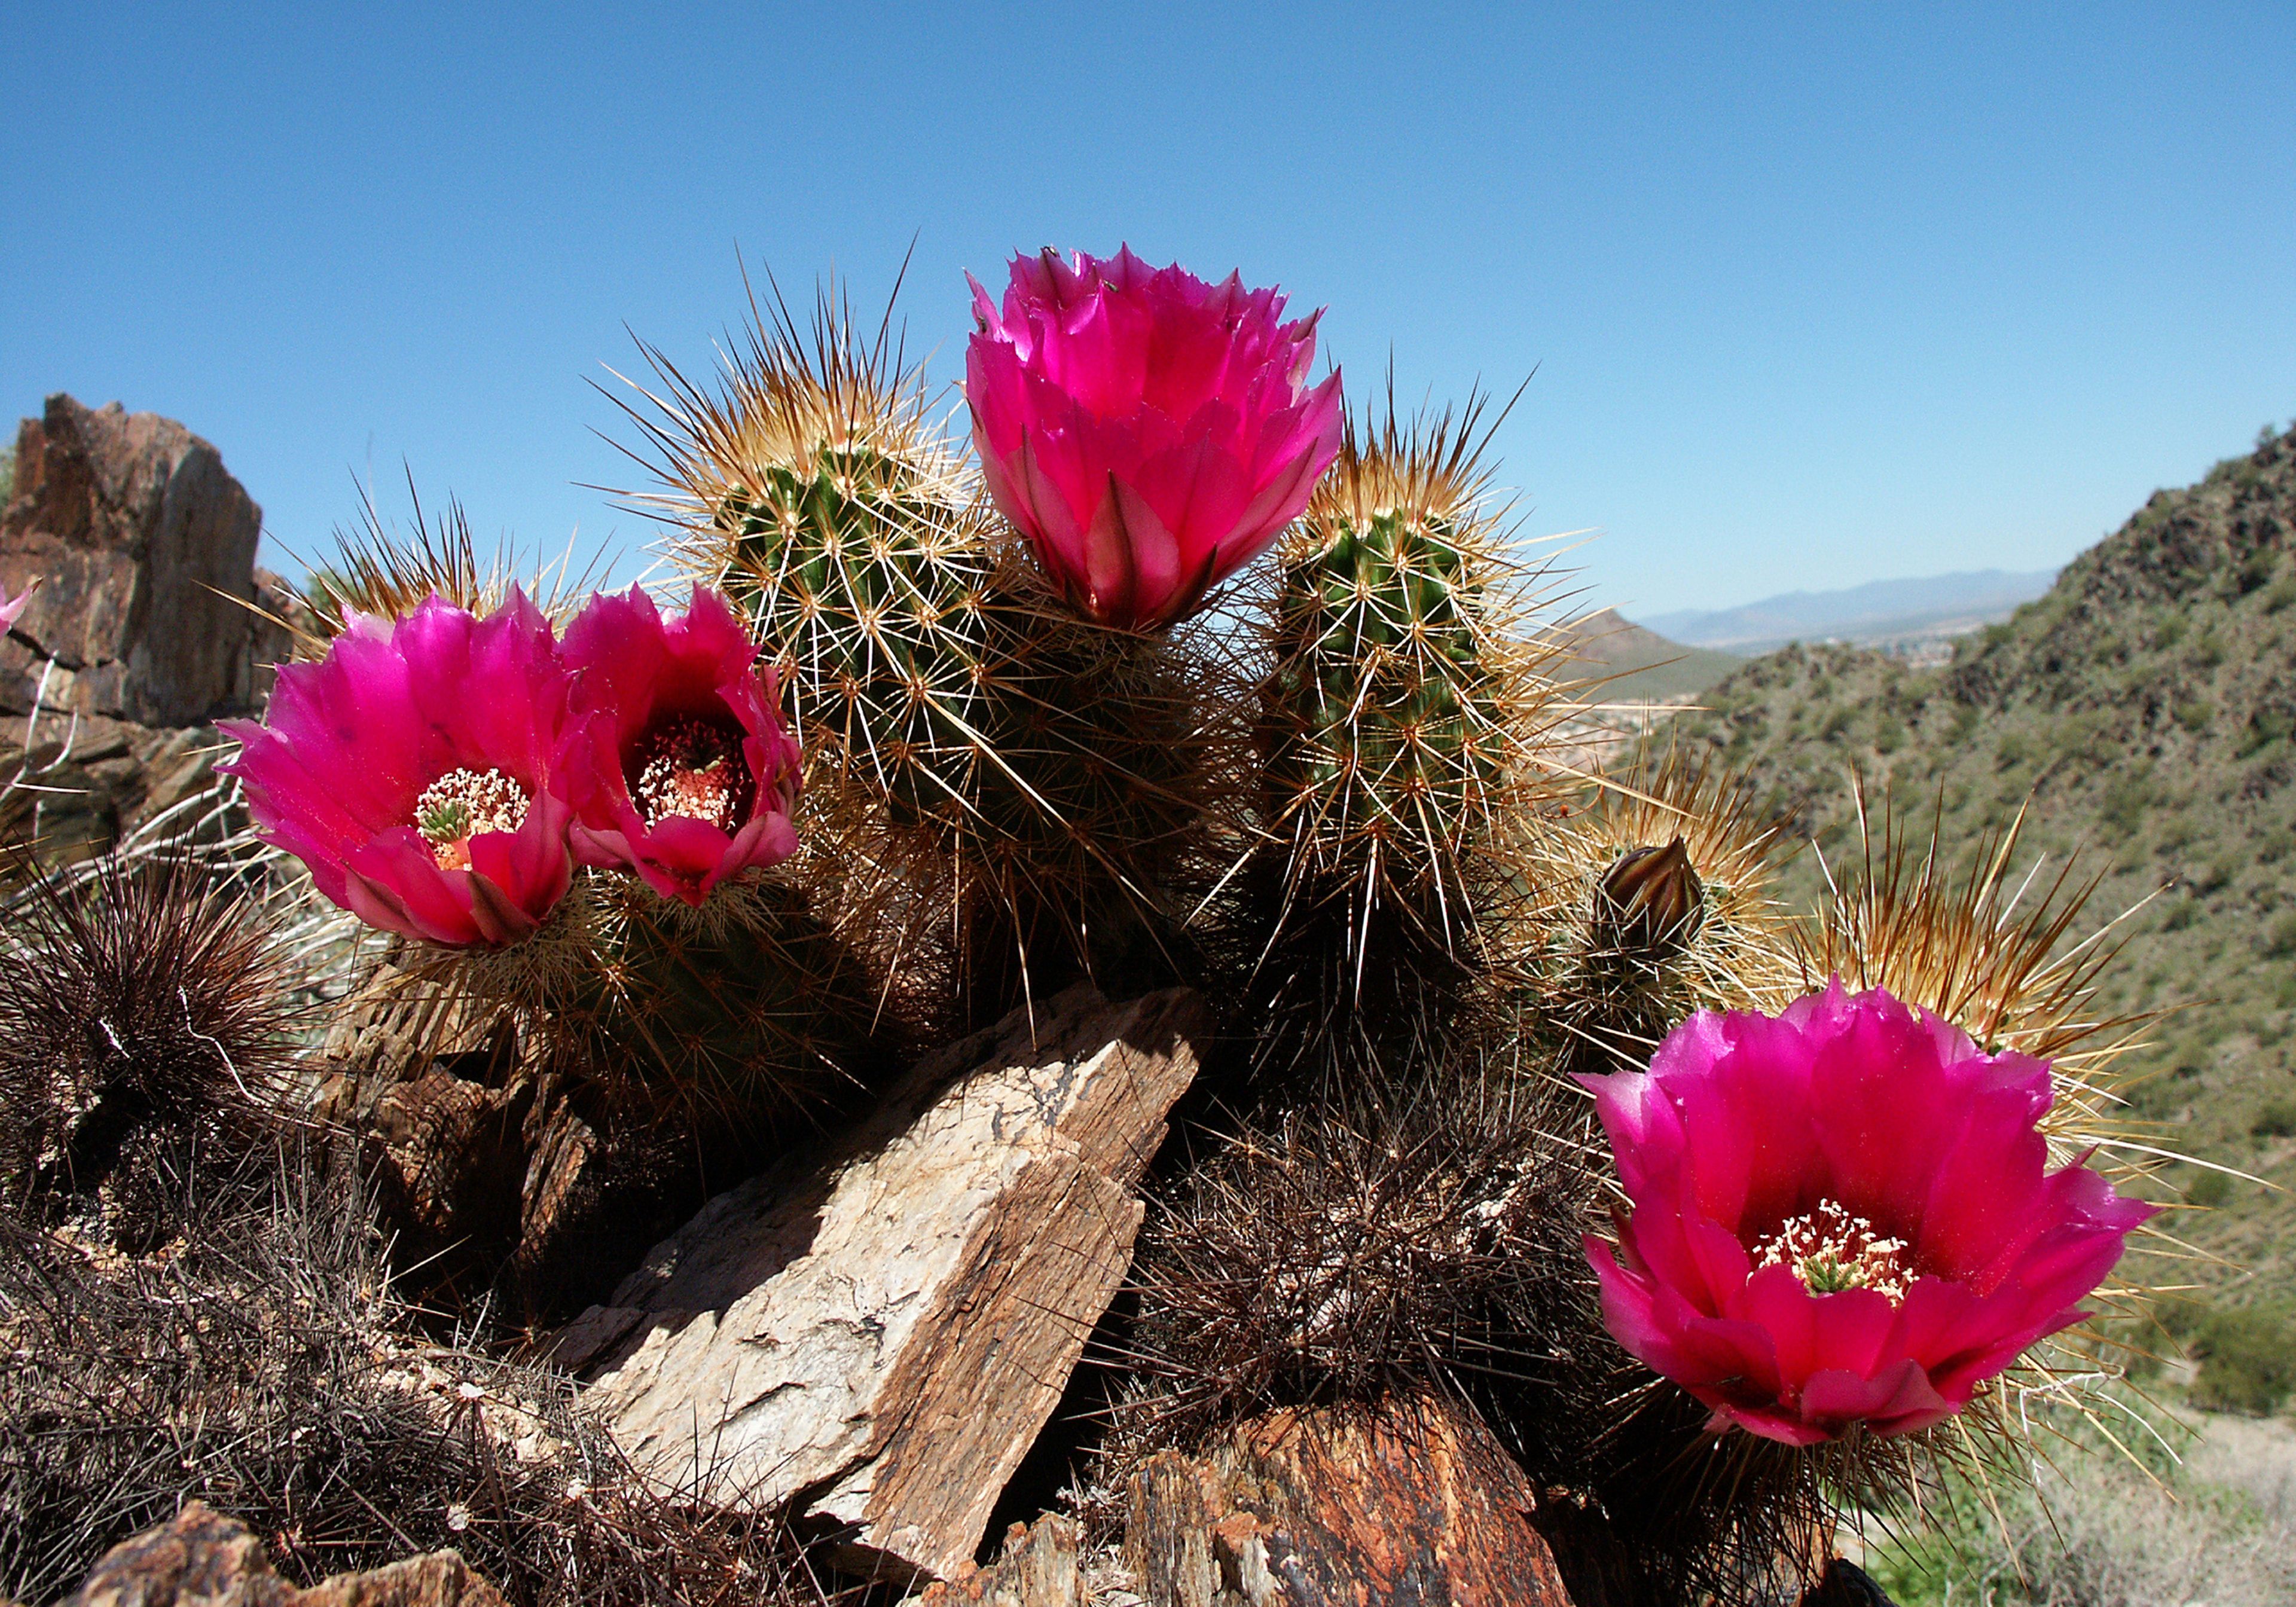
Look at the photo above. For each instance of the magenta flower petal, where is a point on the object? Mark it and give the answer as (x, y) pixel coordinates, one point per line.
(1842, 1216)
(417, 771)
(1896, 1398)
(11, 609)
(1148, 433)
(688, 776)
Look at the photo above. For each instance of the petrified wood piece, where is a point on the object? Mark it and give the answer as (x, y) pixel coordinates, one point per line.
(1038, 1567)
(1412, 1503)
(879, 1337)
(200, 1558)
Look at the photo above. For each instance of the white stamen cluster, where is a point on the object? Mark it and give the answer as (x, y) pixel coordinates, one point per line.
(695, 770)
(461, 804)
(1830, 1251)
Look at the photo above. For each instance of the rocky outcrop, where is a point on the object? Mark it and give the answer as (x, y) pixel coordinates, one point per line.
(877, 1336)
(84, 782)
(200, 1558)
(143, 547)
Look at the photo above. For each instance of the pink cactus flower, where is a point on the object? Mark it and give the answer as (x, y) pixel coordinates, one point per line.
(417, 771)
(1841, 1217)
(691, 776)
(1149, 433)
(11, 609)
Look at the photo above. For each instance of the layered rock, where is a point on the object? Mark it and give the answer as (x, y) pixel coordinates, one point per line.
(144, 546)
(140, 547)
(1412, 1501)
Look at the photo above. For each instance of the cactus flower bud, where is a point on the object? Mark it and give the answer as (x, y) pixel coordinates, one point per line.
(1652, 901)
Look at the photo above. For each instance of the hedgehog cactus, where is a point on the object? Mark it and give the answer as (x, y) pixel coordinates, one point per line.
(440, 774)
(1399, 718)
(1035, 738)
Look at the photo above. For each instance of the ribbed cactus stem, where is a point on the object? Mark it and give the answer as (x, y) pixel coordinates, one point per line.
(1389, 734)
(1398, 725)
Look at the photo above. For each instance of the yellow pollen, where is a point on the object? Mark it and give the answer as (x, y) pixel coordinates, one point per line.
(1830, 1251)
(694, 769)
(461, 805)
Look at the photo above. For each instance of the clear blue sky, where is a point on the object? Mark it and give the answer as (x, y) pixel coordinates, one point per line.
(1815, 296)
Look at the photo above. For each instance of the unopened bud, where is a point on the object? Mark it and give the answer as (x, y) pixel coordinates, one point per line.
(1650, 902)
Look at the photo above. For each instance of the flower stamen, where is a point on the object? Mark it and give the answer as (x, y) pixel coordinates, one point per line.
(1830, 1251)
(693, 769)
(461, 804)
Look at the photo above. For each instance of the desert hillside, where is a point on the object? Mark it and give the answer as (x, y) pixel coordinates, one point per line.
(2147, 707)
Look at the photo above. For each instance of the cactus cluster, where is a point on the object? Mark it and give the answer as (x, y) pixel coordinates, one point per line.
(1042, 738)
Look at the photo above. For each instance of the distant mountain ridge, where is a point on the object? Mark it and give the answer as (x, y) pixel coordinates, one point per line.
(1634, 665)
(1878, 611)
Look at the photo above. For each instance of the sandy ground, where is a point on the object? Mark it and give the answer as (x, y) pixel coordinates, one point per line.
(2254, 1456)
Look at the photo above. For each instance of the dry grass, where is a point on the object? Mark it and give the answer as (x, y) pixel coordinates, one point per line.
(261, 1366)
(194, 1300)
(2099, 1530)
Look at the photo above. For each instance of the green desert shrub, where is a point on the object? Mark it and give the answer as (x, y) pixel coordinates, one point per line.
(2280, 936)
(2274, 1118)
(2126, 799)
(2248, 1358)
